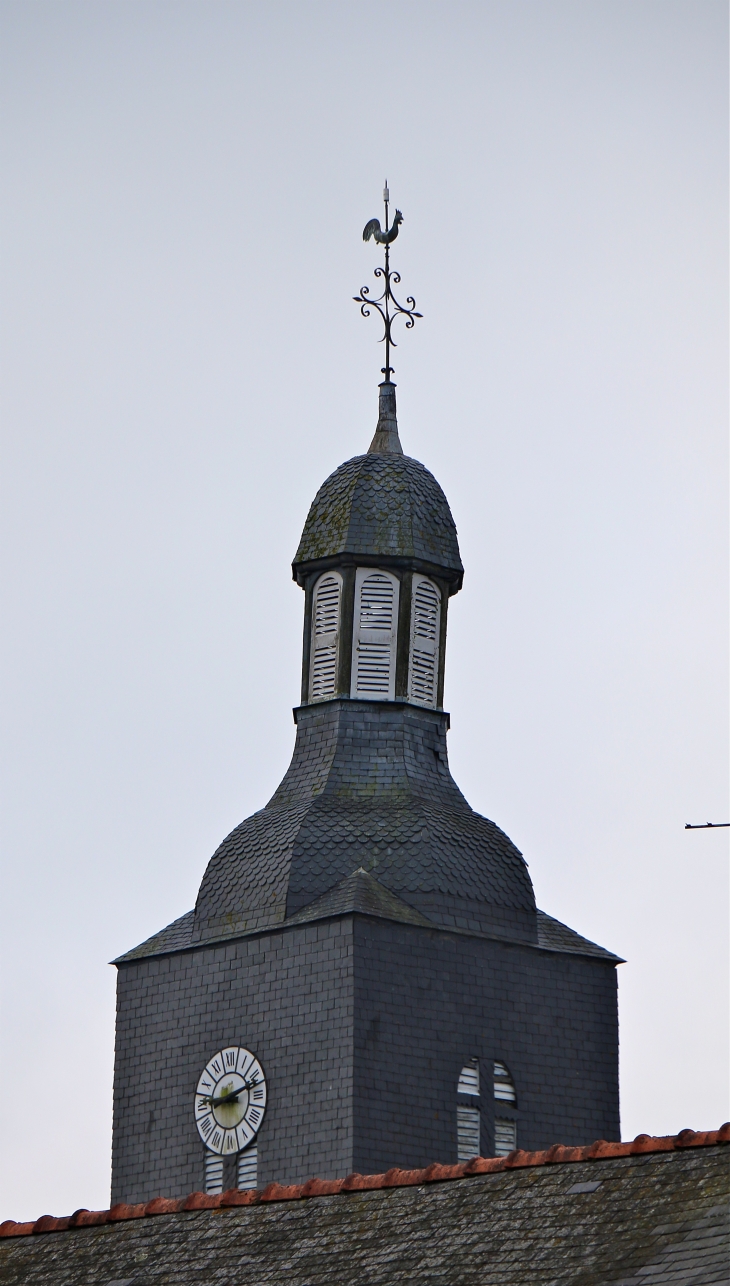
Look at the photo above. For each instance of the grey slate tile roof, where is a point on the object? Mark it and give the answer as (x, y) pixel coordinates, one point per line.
(368, 785)
(554, 936)
(173, 938)
(646, 1219)
(360, 892)
(381, 505)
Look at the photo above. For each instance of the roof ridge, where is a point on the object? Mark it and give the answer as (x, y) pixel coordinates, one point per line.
(339, 900)
(558, 1154)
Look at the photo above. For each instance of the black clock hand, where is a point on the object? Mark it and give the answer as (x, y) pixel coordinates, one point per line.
(225, 1098)
(231, 1097)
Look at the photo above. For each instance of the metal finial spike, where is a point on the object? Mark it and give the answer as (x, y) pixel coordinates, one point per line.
(386, 304)
(386, 193)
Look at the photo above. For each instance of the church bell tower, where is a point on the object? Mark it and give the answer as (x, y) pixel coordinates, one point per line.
(365, 980)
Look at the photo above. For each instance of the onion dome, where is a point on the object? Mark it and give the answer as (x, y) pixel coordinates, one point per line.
(382, 505)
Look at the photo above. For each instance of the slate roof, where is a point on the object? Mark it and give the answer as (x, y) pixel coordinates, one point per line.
(649, 1213)
(368, 785)
(381, 505)
(361, 894)
(554, 936)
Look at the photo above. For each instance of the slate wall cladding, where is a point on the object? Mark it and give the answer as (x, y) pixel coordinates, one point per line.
(426, 1002)
(362, 1026)
(287, 996)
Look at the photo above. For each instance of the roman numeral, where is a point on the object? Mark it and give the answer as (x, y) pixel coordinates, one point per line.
(259, 1093)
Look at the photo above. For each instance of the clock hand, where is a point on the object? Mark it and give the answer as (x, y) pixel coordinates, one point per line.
(231, 1097)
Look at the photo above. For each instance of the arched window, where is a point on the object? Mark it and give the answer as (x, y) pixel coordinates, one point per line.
(325, 636)
(424, 656)
(467, 1117)
(505, 1128)
(376, 627)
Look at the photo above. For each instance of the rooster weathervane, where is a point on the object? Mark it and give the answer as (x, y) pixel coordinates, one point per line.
(386, 304)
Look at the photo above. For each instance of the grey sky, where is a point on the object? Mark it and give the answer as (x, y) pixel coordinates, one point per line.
(184, 188)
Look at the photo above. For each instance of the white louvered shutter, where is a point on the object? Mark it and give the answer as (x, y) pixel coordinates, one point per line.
(325, 636)
(468, 1118)
(213, 1173)
(505, 1131)
(247, 1168)
(469, 1079)
(467, 1133)
(504, 1086)
(376, 627)
(425, 625)
(505, 1137)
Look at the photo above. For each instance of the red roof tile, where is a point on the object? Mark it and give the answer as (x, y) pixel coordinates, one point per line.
(395, 1178)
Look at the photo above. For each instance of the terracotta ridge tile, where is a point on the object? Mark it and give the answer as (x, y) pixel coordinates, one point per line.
(239, 1197)
(122, 1211)
(558, 1154)
(89, 1218)
(286, 1191)
(164, 1206)
(49, 1223)
(202, 1201)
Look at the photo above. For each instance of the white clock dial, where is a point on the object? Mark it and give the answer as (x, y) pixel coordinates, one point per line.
(230, 1100)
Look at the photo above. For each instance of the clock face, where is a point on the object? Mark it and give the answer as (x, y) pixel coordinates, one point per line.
(230, 1100)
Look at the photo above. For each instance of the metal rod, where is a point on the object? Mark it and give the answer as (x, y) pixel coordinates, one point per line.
(388, 368)
(703, 826)
(386, 304)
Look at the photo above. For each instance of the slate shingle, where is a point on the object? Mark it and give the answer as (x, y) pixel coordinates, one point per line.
(389, 505)
(655, 1220)
(369, 786)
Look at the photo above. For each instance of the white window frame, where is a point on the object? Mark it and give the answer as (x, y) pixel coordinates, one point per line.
(364, 638)
(328, 641)
(424, 646)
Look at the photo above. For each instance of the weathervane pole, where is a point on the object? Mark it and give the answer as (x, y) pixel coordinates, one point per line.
(387, 369)
(383, 303)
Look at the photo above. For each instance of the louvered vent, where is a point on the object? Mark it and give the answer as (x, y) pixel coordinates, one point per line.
(213, 1173)
(376, 613)
(247, 1168)
(469, 1079)
(505, 1137)
(504, 1086)
(325, 635)
(467, 1133)
(425, 623)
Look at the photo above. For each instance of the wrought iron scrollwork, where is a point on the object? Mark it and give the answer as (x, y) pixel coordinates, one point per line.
(386, 304)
